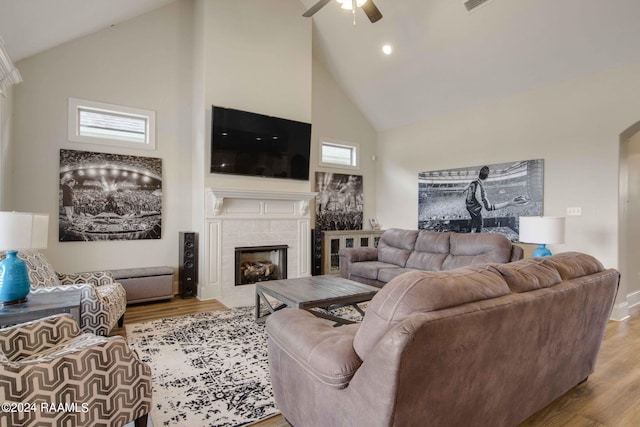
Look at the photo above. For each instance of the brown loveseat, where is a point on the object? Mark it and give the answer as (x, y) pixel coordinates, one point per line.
(400, 251)
(476, 346)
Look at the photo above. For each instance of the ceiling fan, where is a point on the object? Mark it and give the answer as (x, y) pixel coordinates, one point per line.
(370, 9)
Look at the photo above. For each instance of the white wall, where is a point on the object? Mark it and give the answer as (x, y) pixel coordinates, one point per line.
(146, 63)
(336, 117)
(6, 154)
(574, 126)
(633, 213)
(257, 57)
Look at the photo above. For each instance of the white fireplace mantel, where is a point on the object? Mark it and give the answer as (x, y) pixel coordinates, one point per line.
(239, 218)
(216, 198)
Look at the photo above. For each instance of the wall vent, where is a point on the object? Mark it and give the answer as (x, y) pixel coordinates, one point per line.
(472, 4)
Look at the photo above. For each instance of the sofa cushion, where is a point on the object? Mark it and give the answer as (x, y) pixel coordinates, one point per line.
(387, 274)
(424, 291)
(477, 248)
(529, 274)
(430, 251)
(574, 264)
(396, 245)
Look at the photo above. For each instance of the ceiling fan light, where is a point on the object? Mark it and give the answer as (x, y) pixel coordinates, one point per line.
(348, 4)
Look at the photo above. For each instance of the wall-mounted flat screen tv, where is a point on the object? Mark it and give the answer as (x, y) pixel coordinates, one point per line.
(245, 143)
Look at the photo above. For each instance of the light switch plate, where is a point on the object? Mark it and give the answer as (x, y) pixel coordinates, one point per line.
(574, 211)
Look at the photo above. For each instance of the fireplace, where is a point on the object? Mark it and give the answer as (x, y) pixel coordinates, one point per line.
(260, 263)
(242, 218)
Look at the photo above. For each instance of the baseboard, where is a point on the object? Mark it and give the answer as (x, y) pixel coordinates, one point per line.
(633, 299)
(238, 300)
(208, 292)
(620, 312)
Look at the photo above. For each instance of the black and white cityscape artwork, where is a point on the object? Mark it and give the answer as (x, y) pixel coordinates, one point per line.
(339, 203)
(484, 198)
(109, 197)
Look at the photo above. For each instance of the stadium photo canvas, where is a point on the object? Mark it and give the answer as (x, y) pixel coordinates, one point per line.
(109, 197)
(481, 199)
(340, 201)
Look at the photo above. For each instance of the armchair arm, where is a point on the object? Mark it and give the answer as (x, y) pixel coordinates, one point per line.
(100, 306)
(75, 345)
(323, 351)
(96, 278)
(27, 339)
(88, 292)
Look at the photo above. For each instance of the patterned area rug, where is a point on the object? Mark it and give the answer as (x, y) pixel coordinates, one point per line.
(209, 369)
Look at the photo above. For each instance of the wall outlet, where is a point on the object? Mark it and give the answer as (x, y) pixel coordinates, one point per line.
(574, 211)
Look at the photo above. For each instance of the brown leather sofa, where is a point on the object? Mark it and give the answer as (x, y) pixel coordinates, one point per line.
(476, 346)
(400, 251)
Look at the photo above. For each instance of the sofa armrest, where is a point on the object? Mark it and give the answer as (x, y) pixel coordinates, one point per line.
(517, 253)
(29, 338)
(349, 256)
(320, 349)
(359, 254)
(96, 278)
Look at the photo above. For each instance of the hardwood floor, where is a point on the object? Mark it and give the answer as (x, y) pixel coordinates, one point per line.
(139, 313)
(609, 398)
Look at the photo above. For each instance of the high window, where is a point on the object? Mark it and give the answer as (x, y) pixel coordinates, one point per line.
(339, 154)
(100, 123)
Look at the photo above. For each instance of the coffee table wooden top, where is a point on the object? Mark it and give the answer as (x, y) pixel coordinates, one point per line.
(317, 291)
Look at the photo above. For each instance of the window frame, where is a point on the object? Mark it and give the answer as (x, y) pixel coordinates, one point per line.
(75, 105)
(354, 147)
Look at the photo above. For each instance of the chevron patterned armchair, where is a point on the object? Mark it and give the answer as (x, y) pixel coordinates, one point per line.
(51, 374)
(103, 301)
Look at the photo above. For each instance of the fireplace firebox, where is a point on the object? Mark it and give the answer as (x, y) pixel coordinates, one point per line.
(260, 263)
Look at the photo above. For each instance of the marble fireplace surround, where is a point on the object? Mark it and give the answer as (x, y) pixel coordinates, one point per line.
(240, 218)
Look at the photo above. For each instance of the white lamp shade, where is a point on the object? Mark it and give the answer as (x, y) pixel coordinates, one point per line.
(21, 230)
(542, 229)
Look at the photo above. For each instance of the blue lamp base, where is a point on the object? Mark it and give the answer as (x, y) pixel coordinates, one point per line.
(14, 280)
(541, 251)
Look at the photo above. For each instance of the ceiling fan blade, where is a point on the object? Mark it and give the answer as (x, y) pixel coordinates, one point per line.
(373, 13)
(316, 7)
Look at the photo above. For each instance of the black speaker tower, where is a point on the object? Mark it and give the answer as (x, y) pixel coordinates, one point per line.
(188, 267)
(316, 252)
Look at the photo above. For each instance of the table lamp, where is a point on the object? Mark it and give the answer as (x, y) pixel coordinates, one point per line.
(19, 230)
(542, 230)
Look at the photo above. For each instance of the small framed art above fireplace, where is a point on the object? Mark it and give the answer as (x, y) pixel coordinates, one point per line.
(260, 263)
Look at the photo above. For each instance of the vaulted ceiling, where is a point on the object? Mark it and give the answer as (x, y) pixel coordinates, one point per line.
(444, 59)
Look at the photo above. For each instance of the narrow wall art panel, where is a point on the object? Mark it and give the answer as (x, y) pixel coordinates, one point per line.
(485, 198)
(340, 201)
(109, 197)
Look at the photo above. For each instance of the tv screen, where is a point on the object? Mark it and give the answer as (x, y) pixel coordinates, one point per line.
(245, 143)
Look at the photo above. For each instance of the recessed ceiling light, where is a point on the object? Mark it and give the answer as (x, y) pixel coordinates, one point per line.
(387, 49)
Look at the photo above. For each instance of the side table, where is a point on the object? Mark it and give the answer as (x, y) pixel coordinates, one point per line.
(42, 305)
